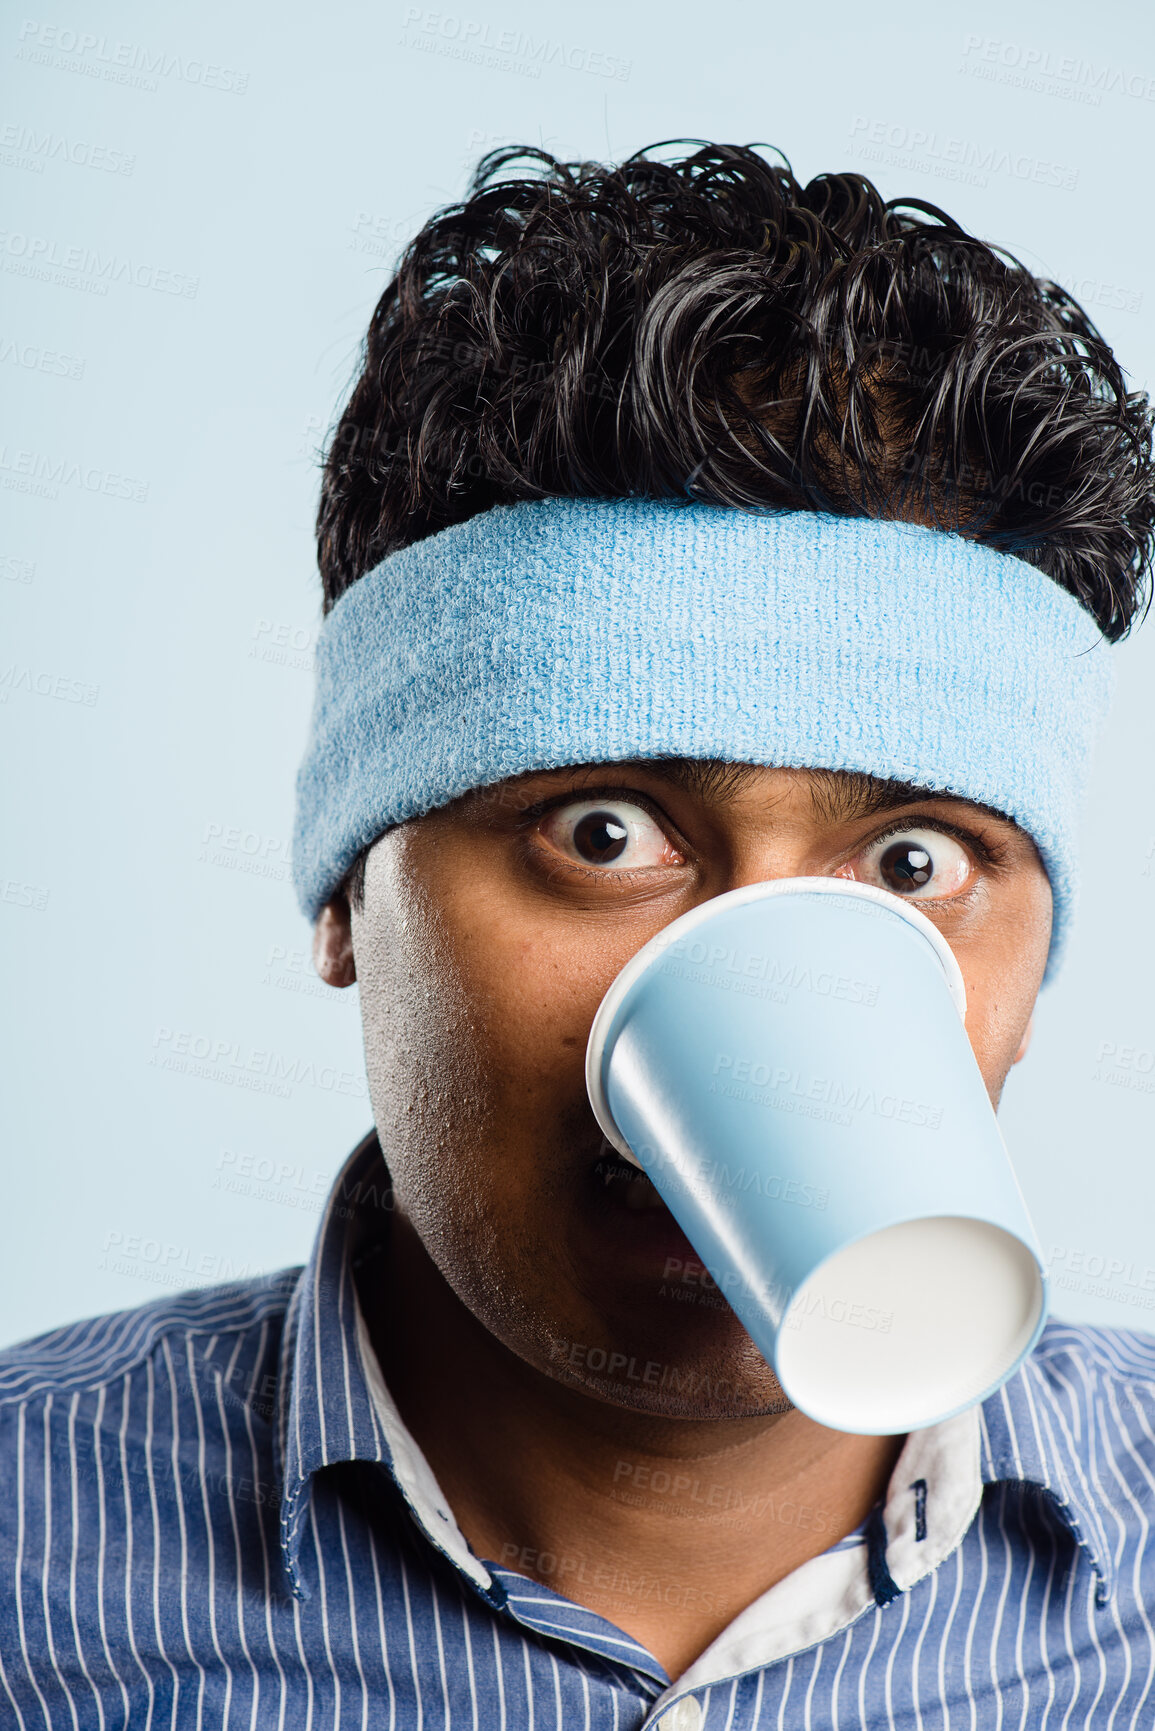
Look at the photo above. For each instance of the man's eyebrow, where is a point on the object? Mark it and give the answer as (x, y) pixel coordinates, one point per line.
(837, 795)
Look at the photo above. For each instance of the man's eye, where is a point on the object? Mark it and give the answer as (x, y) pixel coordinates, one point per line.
(608, 833)
(921, 864)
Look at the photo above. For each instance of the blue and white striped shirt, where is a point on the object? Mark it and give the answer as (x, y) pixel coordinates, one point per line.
(212, 1516)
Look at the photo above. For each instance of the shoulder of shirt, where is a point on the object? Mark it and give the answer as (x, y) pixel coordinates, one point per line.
(101, 1349)
(1121, 1355)
(1099, 1385)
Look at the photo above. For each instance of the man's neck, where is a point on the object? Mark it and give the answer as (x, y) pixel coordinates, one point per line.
(667, 1527)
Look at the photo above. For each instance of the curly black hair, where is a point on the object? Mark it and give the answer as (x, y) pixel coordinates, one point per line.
(707, 327)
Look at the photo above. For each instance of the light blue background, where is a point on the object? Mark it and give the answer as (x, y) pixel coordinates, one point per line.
(281, 158)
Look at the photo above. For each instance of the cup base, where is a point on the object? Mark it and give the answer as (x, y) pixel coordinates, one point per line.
(909, 1325)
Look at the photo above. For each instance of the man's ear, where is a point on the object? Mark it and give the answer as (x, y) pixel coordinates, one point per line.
(1023, 1043)
(333, 943)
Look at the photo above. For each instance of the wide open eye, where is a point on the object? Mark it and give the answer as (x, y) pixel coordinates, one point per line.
(608, 832)
(918, 864)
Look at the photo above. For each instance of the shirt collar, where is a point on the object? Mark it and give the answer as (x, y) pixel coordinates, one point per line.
(333, 1406)
(1040, 1429)
(324, 1410)
(332, 1402)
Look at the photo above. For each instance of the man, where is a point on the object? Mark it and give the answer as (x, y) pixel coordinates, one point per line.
(686, 528)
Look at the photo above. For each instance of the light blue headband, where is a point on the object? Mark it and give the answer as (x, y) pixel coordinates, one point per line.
(570, 631)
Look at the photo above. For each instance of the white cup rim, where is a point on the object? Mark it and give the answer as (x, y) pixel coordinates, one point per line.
(660, 942)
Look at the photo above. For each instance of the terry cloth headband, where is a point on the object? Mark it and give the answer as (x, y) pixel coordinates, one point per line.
(567, 631)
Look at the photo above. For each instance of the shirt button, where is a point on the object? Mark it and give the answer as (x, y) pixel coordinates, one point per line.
(684, 1715)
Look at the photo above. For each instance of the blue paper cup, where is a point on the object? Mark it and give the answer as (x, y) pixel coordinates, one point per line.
(789, 1065)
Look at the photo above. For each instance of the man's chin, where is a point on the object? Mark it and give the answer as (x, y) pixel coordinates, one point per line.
(656, 1336)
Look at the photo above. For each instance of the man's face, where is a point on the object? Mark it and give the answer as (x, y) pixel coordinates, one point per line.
(488, 934)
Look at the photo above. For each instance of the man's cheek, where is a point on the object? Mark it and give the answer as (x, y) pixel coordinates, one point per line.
(534, 1005)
